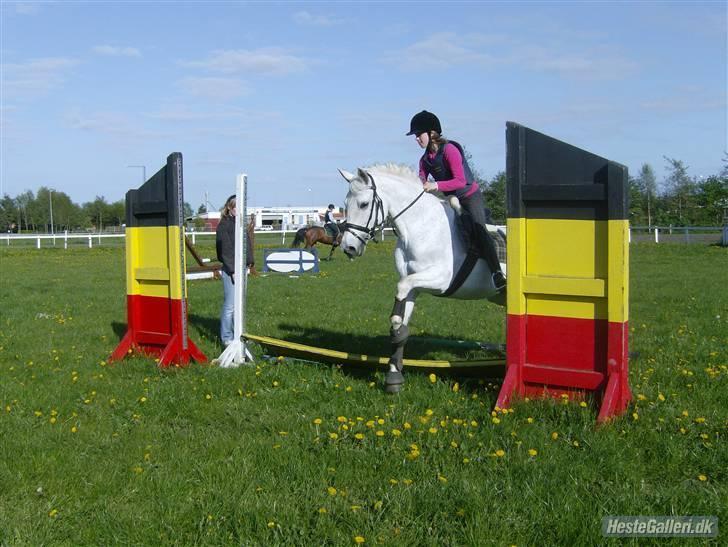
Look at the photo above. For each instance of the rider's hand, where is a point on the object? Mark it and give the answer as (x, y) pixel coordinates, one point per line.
(430, 186)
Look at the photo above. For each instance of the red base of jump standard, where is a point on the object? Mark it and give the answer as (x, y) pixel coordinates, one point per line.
(552, 356)
(155, 328)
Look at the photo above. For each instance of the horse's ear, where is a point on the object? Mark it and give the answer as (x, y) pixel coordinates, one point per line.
(363, 175)
(348, 176)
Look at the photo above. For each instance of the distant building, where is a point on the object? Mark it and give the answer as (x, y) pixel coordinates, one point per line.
(274, 218)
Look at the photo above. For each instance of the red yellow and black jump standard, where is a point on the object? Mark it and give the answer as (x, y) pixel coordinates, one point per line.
(156, 289)
(568, 270)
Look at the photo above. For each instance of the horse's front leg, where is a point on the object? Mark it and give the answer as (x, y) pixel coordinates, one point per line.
(404, 305)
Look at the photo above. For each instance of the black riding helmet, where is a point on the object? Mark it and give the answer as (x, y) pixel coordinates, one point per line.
(424, 122)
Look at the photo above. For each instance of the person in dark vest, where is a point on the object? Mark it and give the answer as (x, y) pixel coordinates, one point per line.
(225, 246)
(445, 162)
(330, 222)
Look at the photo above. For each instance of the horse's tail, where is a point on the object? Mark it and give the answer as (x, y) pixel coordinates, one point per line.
(300, 237)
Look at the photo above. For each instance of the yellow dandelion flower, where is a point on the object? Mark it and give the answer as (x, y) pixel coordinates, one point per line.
(275, 383)
(702, 478)
(660, 396)
(379, 433)
(442, 479)
(377, 506)
(359, 540)
(396, 432)
(333, 436)
(38, 413)
(137, 469)
(641, 397)
(635, 416)
(370, 423)
(359, 436)
(53, 513)
(576, 444)
(271, 524)
(429, 412)
(582, 404)
(348, 388)
(683, 430)
(466, 460)
(380, 421)
(393, 481)
(317, 421)
(331, 490)
(554, 436)
(700, 420)
(473, 423)
(453, 444)
(529, 420)
(413, 455)
(355, 508)
(433, 378)
(52, 420)
(685, 413)
(345, 427)
(533, 453)
(432, 430)
(496, 421)
(74, 429)
(407, 425)
(322, 510)
(500, 453)
(456, 387)
(407, 481)
(208, 396)
(341, 419)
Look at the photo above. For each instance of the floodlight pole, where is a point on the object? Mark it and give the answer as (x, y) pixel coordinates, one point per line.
(144, 171)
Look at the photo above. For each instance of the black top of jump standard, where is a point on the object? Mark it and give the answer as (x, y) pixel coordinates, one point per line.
(158, 202)
(550, 179)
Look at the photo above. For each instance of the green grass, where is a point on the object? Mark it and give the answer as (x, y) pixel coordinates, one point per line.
(124, 453)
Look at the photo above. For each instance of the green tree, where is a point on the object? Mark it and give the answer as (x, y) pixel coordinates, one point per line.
(647, 184)
(679, 187)
(495, 197)
(23, 203)
(9, 213)
(712, 199)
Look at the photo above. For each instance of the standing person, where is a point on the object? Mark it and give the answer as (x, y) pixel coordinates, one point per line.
(445, 162)
(330, 221)
(225, 246)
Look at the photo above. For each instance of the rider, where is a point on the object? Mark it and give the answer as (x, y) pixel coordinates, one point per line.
(330, 221)
(445, 162)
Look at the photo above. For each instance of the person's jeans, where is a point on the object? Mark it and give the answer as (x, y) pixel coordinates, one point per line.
(227, 315)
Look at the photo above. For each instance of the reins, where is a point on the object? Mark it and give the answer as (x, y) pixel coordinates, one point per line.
(376, 210)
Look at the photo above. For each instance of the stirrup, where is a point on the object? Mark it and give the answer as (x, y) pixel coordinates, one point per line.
(499, 281)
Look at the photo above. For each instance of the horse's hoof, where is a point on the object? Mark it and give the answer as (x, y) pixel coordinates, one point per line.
(393, 382)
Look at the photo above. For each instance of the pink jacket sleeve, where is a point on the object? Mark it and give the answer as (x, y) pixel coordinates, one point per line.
(423, 173)
(454, 161)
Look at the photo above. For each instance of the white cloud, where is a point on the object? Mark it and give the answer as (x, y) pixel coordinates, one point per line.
(114, 51)
(35, 77)
(24, 8)
(309, 19)
(447, 50)
(273, 61)
(439, 51)
(214, 88)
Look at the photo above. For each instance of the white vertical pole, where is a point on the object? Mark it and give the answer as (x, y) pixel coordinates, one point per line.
(657, 235)
(65, 239)
(38, 243)
(194, 239)
(89, 242)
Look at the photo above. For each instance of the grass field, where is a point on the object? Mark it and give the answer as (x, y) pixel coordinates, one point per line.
(293, 453)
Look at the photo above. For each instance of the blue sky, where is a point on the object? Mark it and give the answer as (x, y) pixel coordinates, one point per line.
(289, 92)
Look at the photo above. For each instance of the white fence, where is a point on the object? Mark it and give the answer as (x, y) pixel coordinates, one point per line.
(637, 234)
(66, 240)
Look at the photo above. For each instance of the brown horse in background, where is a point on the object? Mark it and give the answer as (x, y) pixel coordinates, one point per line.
(311, 235)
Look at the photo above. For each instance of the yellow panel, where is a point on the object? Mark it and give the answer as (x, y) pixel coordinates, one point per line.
(149, 252)
(575, 307)
(568, 248)
(516, 265)
(618, 286)
(567, 286)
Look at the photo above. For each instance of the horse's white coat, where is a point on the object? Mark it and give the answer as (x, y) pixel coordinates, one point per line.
(429, 249)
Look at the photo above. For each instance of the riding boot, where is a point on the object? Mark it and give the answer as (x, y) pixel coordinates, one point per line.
(490, 254)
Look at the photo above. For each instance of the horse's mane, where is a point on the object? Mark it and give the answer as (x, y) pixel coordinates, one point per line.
(401, 171)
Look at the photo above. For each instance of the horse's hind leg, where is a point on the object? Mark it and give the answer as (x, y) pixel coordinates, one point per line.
(401, 313)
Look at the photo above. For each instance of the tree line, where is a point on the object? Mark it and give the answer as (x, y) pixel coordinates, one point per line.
(679, 199)
(31, 212)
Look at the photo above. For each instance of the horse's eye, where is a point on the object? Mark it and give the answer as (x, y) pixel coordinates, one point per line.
(364, 205)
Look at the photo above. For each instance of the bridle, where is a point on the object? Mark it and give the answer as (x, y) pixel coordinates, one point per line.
(377, 214)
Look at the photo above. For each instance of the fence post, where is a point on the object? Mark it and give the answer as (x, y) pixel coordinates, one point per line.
(38, 243)
(90, 244)
(65, 239)
(194, 238)
(657, 234)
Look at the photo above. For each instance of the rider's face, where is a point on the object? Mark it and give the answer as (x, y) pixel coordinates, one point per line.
(423, 139)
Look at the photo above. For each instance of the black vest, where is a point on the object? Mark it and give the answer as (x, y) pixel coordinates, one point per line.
(439, 169)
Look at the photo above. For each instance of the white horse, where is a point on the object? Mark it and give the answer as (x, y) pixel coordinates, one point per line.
(429, 250)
